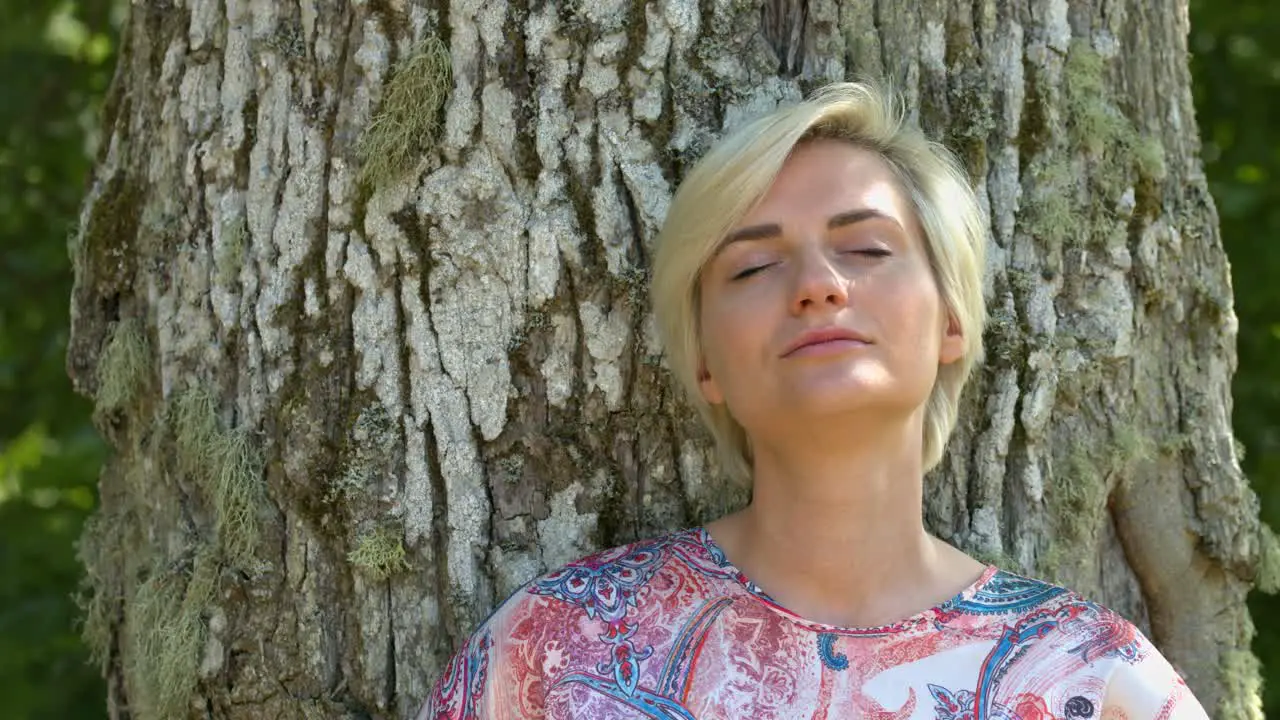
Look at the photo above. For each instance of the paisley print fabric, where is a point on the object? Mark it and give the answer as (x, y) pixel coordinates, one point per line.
(667, 629)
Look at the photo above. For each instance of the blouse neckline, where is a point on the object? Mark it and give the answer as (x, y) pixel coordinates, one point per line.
(925, 618)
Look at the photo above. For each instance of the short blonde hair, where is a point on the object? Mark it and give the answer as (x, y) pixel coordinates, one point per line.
(737, 172)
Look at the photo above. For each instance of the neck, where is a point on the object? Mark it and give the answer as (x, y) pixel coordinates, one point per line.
(834, 529)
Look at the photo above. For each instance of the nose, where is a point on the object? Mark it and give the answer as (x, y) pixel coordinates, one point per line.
(817, 283)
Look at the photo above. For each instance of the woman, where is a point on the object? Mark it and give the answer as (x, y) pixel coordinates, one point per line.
(818, 282)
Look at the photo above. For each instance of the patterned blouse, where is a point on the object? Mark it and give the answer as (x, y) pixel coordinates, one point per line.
(667, 628)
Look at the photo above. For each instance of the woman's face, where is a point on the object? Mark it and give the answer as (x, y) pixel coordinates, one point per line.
(822, 300)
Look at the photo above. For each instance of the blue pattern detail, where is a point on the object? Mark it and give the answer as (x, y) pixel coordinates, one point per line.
(952, 705)
(963, 705)
(650, 704)
(463, 682)
(624, 659)
(477, 671)
(700, 552)
(826, 651)
(1013, 642)
(674, 680)
(1005, 651)
(1007, 593)
(605, 586)
(665, 703)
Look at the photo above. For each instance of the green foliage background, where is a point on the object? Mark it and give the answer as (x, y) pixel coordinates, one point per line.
(56, 60)
(1236, 71)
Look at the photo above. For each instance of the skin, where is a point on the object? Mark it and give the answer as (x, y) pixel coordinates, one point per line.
(834, 531)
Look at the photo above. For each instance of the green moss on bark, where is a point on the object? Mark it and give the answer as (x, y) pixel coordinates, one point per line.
(227, 464)
(165, 633)
(1241, 686)
(1099, 127)
(101, 553)
(366, 455)
(409, 118)
(123, 366)
(230, 257)
(1050, 212)
(379, 553)
(1268, 579)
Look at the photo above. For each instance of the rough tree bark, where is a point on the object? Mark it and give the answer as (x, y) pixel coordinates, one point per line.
(360, 294)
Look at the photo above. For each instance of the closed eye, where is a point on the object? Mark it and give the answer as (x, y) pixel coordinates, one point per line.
(870, 252)
(751, 271)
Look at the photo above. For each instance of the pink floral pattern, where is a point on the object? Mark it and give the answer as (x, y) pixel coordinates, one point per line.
(668, 629)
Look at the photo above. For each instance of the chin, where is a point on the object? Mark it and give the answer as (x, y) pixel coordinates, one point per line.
(844, 399)
(853, 393)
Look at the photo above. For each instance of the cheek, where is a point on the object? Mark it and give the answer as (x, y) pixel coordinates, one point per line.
(728, 333)
(911, 309)
(715, 334)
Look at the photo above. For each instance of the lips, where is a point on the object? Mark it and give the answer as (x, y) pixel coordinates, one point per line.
(832, 337)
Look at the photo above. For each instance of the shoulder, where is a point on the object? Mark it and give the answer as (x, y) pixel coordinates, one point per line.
(609, 584)
(1008, 594)
(604, 586)
(1136, 681)
(535, 634)
(604, 580)
(1147, 686)
(1063, 618)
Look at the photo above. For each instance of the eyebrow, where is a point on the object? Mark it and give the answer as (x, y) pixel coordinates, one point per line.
(768, 230)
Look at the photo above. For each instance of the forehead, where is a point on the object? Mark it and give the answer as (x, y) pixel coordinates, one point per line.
(822, 178)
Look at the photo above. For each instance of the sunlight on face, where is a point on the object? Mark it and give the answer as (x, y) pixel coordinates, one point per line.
(822, 300)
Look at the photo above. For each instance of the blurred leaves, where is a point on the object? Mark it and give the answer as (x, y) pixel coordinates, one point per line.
(56, 59)
(1236, 74)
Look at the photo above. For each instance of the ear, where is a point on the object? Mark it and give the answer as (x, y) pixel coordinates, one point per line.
(709, 387)
(952, 347)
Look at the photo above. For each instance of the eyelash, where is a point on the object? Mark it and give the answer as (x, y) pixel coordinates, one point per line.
(869, 252)
(749, 272)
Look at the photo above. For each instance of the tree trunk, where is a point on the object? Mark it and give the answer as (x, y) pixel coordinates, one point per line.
(361, 297)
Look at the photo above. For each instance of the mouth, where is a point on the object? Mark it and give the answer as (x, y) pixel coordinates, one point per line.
(820, 341)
